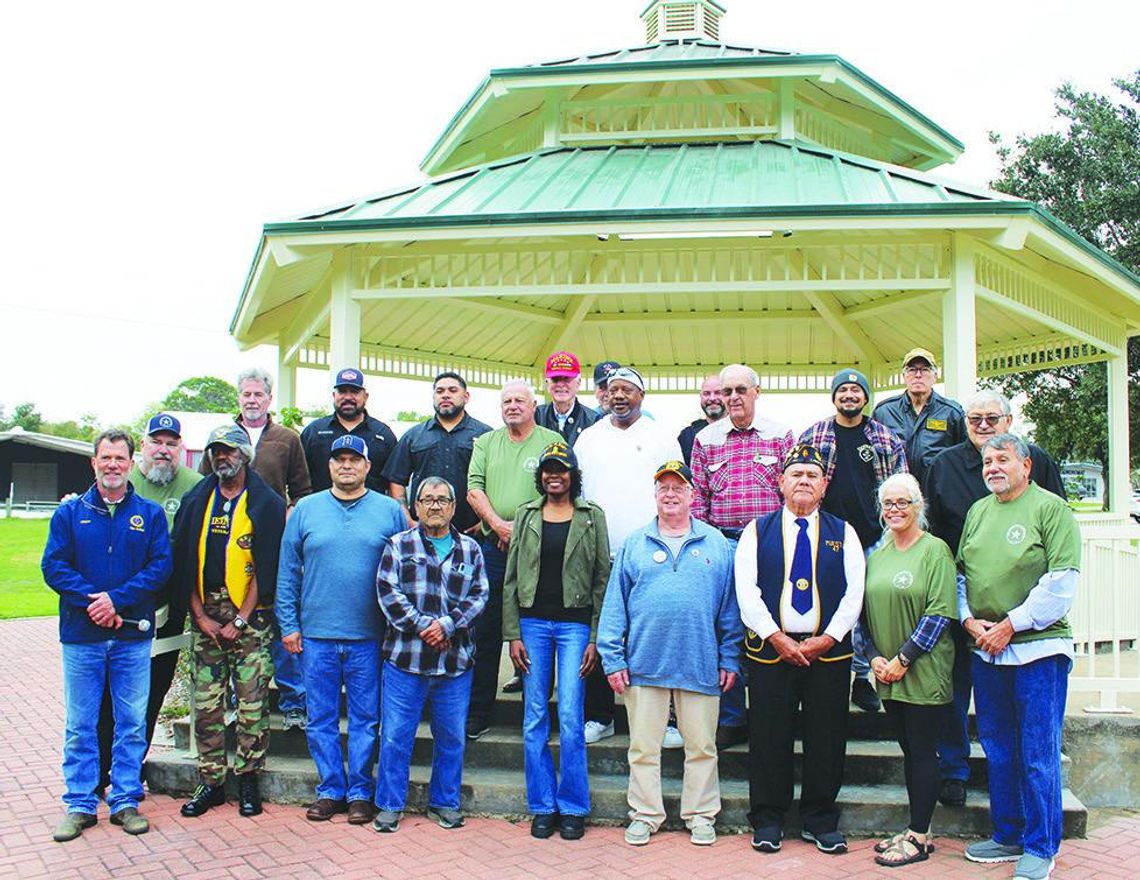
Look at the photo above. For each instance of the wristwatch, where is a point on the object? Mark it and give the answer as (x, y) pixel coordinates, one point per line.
(240, 622)
(903, 661)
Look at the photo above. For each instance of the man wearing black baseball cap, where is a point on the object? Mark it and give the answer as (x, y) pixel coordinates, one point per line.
(349, 416)
(602, 373)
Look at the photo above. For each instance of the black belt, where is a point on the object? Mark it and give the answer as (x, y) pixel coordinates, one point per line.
(732, 534)
(800, 637)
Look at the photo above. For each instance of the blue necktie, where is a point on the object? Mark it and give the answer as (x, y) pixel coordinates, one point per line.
(801, 571)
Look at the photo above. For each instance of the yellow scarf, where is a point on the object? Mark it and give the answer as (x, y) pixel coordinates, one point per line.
(239, 550)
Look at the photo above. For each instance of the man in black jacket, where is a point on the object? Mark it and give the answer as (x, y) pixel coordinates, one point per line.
(227, 538)
(564, 414)
(953, 482)
(712, 405)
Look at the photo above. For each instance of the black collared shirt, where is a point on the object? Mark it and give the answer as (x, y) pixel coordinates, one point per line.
(430, 450)
(954, 482)
(688, 435)
(318, 437)
(940, 425)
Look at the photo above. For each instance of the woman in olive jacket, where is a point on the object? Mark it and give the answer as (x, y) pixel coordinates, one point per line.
(557, 569)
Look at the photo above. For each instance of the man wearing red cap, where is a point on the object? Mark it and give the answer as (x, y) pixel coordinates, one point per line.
(564, 414)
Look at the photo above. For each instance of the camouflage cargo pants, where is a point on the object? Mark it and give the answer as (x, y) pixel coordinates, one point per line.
(244, 661)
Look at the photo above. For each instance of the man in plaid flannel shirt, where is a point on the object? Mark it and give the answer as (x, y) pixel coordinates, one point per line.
(859, 453)
(736, 464)
(431, 585)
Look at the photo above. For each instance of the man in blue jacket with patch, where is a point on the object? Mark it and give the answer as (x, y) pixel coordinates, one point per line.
(108, 556)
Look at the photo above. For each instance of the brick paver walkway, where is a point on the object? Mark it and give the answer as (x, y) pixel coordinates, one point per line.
(282, 844)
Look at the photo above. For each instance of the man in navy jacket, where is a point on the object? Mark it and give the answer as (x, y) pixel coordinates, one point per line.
(108, 556)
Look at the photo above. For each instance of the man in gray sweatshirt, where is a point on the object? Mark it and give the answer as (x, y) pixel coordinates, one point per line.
(670, 629)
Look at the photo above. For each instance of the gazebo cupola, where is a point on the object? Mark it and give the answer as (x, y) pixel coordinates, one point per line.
(682, 20)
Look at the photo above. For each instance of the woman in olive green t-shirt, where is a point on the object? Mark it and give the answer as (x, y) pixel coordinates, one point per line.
(909, 600)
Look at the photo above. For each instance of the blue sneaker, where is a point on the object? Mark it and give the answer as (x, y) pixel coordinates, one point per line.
(1031, 867)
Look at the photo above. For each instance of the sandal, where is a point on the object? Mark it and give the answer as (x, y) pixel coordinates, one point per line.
(883, 845)
(908, 847)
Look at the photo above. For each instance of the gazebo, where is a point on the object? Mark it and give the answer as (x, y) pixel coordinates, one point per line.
(684, 204)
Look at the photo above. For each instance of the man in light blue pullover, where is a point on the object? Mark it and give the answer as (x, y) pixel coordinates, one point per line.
(670, 629)
(326, 596)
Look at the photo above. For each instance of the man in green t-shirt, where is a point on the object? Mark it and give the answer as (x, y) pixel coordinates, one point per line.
(157, 475)
(1020, 555)
(499, 479)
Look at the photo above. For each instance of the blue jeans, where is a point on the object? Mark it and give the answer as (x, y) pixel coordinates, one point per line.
(287, 673)
(488, 633)
(124, 665)
(1020, 713)
(356, 663)
(732, 709)
(404, 696)
(551, 644)
(954, 741)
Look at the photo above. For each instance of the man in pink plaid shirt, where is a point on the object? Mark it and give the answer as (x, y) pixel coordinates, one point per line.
(736, 467)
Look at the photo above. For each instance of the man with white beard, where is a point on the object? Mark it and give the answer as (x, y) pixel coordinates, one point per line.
(159, 476)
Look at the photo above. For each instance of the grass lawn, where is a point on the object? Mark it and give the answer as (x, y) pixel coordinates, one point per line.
(23, 592)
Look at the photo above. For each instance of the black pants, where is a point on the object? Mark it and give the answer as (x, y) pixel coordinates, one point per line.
(917, 729)
(778, 695)
(598, 703)
(488, 636)
(161, 675)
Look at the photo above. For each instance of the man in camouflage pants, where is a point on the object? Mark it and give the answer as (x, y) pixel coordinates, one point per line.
(228, 534)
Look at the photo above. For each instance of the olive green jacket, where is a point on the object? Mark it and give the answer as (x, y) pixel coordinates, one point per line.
(585, 568)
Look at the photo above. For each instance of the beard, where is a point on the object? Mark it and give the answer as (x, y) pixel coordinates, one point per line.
(348, 409)
(161, 473)
(226, 470)
(713, 410)
(448, 411)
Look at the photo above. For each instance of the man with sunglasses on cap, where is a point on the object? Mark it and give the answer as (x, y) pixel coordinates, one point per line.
(349, 416)
(326, 607)
(564, 414)
(926, 421)
(602, 372)
(953, 483)
(799, 583)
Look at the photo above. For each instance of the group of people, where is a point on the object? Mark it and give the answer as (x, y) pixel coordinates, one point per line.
(725, 583)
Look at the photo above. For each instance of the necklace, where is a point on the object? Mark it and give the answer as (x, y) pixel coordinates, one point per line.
(226, 506)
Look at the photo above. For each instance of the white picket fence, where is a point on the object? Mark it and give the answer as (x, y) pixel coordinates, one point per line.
(1106, 614)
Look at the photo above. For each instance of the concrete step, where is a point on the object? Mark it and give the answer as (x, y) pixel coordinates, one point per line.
(869, 762)
(867, 809)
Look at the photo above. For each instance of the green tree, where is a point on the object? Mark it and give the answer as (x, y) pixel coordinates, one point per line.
(1087, 174)
(202, 394)
(25, 416)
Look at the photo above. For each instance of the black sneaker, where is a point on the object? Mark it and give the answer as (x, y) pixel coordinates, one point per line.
(249, 795)
(475, 728)
(952, 793)
(573, 827)
(863, 695)
(767, 839)
(204, 797)
(543, 825)
(831, 842)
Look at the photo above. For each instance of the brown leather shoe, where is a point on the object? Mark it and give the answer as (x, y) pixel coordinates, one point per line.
(324, 809)
(360, 812)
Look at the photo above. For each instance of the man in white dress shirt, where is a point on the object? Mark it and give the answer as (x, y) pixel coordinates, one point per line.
(804, 568)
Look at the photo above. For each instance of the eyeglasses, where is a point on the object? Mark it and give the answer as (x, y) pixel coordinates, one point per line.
(430, 501)
(668, 489)
(917, 371)
(740, 390)
(992, 421)
(901, 505)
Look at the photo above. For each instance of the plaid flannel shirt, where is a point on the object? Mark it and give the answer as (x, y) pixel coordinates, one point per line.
(415, 588)
(889, 449)
(736, 472)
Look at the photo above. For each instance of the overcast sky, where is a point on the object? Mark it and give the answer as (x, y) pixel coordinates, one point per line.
(148, 142)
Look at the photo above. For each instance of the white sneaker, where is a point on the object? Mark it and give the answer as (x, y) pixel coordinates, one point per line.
(596, 731)
(673, 738)
(702, 833)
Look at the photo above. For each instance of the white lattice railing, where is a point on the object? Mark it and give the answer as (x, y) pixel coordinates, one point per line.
(1106, 614)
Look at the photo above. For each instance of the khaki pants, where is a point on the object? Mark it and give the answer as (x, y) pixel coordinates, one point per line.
(648, 710)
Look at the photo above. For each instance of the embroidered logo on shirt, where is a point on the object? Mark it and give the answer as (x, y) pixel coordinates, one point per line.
(903, 580)
(171, 505)
(866, 452)
(835, 546)
(245, 542)
(137, 523)
(936, 424)
(531, 464)
(1016, 534)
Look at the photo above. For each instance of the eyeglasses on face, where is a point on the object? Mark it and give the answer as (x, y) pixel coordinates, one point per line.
(900, 504)
(430, 501)
(992, 421)
(740, 390)
(918, 371)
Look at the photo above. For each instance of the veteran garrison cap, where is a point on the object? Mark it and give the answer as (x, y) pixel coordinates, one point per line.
(804, 453)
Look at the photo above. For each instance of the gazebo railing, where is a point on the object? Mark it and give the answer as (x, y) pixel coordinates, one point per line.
(1106, 614)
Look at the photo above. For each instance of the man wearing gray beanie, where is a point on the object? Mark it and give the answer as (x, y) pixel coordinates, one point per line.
(859, 453)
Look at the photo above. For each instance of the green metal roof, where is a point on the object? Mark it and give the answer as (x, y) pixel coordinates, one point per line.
(676, 179)
(671, 51)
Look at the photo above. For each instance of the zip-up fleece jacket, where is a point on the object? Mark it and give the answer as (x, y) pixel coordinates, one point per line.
(673, 622)
(127, 556)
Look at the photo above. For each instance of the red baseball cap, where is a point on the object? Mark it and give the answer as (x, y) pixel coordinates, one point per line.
(562, 364)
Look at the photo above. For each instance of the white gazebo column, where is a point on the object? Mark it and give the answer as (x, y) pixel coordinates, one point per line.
(1119, 472)
(344, 320)
(286, 381)
(959, 324)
